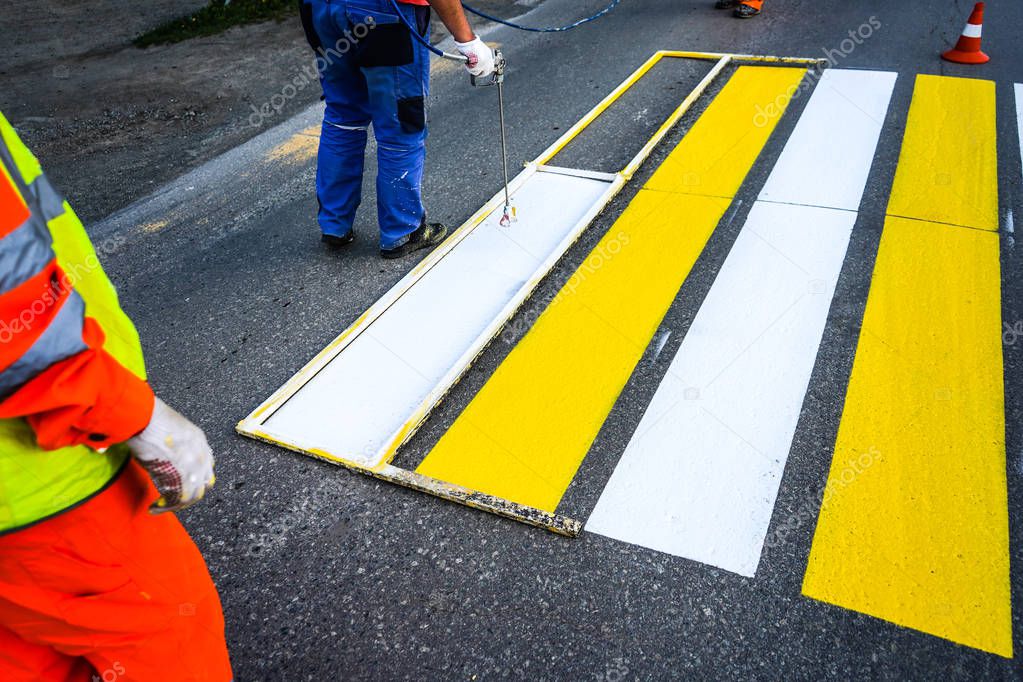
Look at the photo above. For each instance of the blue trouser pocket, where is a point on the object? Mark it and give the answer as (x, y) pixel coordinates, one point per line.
(388, 42)
(412, 114)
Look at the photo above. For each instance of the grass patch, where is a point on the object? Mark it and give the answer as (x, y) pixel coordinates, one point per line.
(217, 17)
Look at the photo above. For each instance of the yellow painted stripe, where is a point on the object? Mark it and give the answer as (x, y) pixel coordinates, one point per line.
(525, 434)
(914, 525)
(948, 169)
(714, 157)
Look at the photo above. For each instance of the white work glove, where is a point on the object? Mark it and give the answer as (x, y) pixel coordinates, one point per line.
(480, 56)
(175, 454)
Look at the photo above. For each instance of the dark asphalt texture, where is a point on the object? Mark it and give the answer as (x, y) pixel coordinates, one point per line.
(329, 575)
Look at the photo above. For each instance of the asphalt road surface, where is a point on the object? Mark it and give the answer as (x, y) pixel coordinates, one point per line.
(329, 575)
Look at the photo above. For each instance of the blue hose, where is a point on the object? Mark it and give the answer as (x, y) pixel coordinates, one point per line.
(543, 29)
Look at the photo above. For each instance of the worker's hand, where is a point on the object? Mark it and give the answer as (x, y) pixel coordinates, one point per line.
(175, 454)
(480, 56)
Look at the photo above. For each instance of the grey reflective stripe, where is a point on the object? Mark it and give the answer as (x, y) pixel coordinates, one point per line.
(13, 170)
(48, 199)
(41, 196)
(27, 250)
(61, 340)
(24, 253)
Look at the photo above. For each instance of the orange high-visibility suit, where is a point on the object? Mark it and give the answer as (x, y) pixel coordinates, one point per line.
(91, 584)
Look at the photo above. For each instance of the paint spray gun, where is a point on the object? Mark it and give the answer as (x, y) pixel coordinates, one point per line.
(497, 78)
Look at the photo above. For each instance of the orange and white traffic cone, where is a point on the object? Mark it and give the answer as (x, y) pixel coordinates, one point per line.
(967, 50)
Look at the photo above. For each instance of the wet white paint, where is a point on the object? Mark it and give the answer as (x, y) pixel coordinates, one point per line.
(827, 163)
(361, 399)
(700, 476)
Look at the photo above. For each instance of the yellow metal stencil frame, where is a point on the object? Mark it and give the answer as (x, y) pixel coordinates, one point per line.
(252, 425)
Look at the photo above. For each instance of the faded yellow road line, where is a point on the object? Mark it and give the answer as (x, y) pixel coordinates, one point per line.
(948, 168)
(525, 434)
(297, 149)
(914, 527)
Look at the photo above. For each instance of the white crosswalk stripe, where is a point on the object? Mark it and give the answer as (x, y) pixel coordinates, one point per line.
(700, 476)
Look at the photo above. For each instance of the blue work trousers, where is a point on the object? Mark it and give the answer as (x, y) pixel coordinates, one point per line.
(372, 71)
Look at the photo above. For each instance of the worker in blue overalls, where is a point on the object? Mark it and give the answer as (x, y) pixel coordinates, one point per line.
(373, 70)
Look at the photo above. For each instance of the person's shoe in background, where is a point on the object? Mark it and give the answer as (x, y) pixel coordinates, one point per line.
(748, 8)
(336, 242)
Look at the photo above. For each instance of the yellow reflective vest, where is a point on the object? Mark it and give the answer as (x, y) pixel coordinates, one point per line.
(37, 483)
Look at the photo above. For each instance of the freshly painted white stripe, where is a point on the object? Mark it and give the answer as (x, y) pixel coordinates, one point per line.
(828, 156)
(700, 476)
(973, 30)
(356, 404)
(1019, 115)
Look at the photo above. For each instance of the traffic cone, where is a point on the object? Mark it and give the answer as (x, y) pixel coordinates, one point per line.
(967, 50)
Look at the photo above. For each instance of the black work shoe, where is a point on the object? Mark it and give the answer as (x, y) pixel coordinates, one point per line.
(745, 12)
(725, 4)
(427, 235)
(335, 242)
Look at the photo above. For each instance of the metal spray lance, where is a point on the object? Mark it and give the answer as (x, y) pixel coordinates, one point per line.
(497, 78)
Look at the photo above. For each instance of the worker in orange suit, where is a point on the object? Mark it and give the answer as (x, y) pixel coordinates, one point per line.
(97, 580)
(741, 9)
